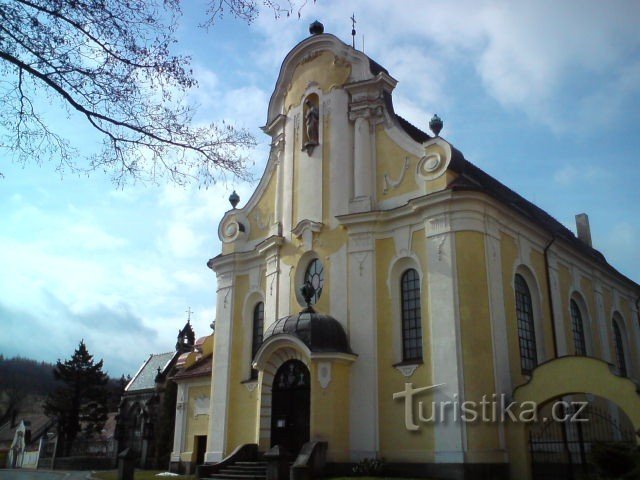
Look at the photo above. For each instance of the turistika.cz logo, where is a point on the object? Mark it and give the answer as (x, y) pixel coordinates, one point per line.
(490, 409)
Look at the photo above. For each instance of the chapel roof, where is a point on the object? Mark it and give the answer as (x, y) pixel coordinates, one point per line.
(146, 376)
(199, 369)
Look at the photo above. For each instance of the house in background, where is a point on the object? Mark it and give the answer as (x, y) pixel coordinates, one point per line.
(193, 378)
(141, 404)
(23, 438)
(419, 269)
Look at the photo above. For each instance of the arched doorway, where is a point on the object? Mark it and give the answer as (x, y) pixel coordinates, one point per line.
(290, 412)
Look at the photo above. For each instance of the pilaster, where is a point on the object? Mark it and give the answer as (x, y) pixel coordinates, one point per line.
(270, 250)
(218, 416)
(178, 430)
(446, 350)
(362, 330)
(498, 318)
(558, 314)
(602, 321)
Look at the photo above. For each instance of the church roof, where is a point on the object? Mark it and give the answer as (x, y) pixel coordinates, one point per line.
(472, 178)
(146, 376)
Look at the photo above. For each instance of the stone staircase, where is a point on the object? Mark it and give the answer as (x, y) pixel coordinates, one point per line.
(242, 471)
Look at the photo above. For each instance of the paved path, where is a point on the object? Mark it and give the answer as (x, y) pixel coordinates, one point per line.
(23, 474)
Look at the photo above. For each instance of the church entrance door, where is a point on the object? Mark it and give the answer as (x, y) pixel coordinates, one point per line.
(290, 407)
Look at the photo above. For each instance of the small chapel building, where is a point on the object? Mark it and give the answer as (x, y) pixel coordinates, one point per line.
(421, 270)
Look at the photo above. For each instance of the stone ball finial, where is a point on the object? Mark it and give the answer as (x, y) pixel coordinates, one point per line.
(234, 198)
(316, 28)
(436, 124)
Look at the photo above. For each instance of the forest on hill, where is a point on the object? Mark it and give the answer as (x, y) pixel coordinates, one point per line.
(25, 383)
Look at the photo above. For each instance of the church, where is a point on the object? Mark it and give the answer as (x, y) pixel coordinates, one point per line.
(376, 274)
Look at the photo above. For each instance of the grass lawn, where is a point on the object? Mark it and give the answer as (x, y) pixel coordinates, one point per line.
(140, 475)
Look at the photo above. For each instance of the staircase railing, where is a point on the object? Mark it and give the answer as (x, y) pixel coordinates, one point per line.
(244, 453)
(310, 462)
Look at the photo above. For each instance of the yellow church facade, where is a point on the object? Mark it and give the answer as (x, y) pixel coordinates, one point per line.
(425, 272)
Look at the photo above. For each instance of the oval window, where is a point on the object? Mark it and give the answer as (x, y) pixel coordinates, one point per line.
(315, 276)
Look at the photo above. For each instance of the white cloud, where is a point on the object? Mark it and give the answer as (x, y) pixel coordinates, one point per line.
(547, 59)
(571, 174)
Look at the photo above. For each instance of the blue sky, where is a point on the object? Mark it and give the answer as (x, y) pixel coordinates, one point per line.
(545, 96)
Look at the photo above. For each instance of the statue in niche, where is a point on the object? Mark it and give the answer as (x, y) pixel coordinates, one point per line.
(312, 124)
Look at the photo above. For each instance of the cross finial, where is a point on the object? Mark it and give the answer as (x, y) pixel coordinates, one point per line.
(353, 30)
(188, 311)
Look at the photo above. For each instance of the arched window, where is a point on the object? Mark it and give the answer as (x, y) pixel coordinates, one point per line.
(577, 327)
(411, 319)
(526, 329)
(619, 344)
(258, 329)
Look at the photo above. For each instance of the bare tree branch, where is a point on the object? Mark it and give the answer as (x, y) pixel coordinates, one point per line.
(110, 62)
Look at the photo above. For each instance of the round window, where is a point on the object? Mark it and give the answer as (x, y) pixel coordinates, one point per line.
(315, 276)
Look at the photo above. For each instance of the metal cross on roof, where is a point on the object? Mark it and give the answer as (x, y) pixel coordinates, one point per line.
(188, 311)
(353, 30)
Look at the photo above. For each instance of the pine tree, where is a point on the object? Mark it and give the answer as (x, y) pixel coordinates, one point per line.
(80, 399)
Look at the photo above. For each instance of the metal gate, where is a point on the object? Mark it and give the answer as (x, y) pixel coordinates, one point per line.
(561, 450)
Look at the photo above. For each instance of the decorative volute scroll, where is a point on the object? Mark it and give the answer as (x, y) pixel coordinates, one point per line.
(435, 161)
(232, 227)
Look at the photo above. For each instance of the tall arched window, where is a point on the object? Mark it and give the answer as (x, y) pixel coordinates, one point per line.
(526, 329)
(258, 329)
(619, 344)
(577, 327)
(411, 318)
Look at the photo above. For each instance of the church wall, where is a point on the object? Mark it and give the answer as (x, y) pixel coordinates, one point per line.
(195, 425)
(477, 350)
(632, 340)
(565, 296)
(242, 404)
(262, 215)
(509, 252)
(607, 301)
(539, 270)
(338, 136)
(330, 411)
(586, 286)
(323, 69)
(396, 442)
(390, 159)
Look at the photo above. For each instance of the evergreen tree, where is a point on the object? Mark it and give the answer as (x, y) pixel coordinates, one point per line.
(80, 399)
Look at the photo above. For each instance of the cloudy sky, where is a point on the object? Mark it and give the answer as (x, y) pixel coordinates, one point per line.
(543, 95)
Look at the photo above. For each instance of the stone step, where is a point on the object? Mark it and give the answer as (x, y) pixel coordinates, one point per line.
(252, 464)
(233, 476)
(244, 468)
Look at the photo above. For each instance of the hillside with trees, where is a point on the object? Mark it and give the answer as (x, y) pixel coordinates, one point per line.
(25, 384)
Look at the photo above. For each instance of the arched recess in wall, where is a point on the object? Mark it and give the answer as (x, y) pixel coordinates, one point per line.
(576, 301)
(397, 268)
(253, 298)
(536, 304)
